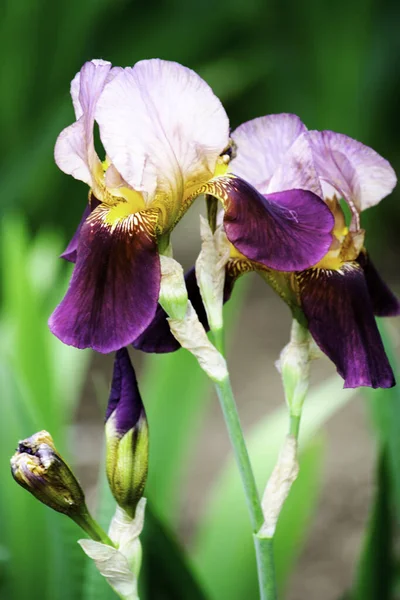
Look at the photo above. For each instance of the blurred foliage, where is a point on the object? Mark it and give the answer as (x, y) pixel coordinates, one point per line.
(333, 64)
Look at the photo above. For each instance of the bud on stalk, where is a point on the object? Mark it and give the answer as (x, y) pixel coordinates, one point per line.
(127, 436)
(39, 468)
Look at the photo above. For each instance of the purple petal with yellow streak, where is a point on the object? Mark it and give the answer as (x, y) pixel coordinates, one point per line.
(340, 317)
(115, 285)
(286, 231)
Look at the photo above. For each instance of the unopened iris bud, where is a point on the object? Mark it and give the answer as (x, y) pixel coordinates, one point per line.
(38, 468)
(126, 436)
(294, 367)
(173, 293)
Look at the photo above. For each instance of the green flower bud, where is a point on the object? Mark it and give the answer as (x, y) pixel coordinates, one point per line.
(127, 436)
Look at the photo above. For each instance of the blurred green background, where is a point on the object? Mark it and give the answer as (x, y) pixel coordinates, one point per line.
(333, 64)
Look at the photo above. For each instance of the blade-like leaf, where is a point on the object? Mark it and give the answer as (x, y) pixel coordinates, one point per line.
(166, 574)
(375, 570)
(385, 411)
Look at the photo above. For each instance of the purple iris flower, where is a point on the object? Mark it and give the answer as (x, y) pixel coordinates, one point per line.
(340, 294)
(166, 140)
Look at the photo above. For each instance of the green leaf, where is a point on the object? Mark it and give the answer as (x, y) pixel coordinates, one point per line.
(384, 405)
(376, 568)
(166, 573)
(224, 557)
(35, 395)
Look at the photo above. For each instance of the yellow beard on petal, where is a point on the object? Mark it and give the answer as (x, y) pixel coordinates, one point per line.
(119, 212)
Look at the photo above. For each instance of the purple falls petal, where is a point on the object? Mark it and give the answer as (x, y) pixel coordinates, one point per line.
(340, 318)
(285, 231)
(158, 337)
(124, 397)
(70, 251)
(115, 285)
(384, 302)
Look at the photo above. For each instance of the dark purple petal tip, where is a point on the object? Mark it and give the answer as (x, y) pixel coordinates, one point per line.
(285, 231)
(340, 318)
(124, 401)
(384, 302)
(114, 289)
(70, 251)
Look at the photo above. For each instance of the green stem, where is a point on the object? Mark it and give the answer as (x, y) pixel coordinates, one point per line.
(266, 565)
(92, 528)
(294, 425)
(264, 551)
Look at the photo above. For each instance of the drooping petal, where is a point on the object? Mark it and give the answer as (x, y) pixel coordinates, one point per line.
(261, 146)
(74, 152)
(115, 285)
(384, 302)
(162, 127)
(340, 318)
(287, 231)
(158, 337)
(124, 397)
(70, 251)
(358, 173)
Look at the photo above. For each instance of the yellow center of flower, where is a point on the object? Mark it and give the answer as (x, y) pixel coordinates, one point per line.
(346, 245)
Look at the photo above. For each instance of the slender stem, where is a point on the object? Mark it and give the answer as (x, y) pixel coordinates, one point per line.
(227, 401)
(294, 425)
(266, 565)
(92, 528)
(264, 548)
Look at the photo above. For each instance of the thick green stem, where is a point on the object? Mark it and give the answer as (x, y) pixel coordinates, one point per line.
(264, 549)
(266, 566)
(92, 528)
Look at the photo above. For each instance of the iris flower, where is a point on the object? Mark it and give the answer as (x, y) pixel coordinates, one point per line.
(339, 295)
(166, 140)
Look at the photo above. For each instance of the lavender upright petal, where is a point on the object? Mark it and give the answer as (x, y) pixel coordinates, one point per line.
(341, 320)
(358, 173)
(114, 288)
(262, 145)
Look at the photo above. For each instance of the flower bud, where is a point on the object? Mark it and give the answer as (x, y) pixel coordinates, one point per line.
(126, 436)
(173, 293)
(38, 468)
(294, 367)
(210, 271)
